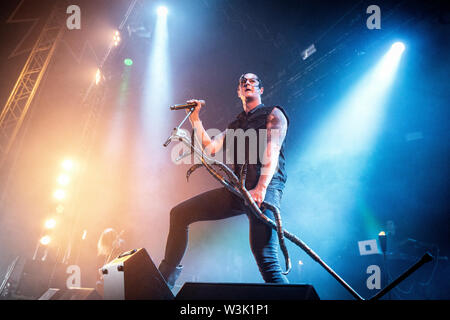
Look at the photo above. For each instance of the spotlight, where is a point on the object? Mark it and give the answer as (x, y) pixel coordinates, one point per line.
(67, 164)
(398, 47)
(45, 240)
(116, 38)
(59, 194)
(348, 138)
(162, 11)
(63, 179)
(98, 76)
(50, 223)
(389, 64)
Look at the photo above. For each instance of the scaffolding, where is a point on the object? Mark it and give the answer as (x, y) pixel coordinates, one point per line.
(21, 97)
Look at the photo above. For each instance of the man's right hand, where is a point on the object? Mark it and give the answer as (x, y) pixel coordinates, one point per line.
(195, 114)
(210, 146)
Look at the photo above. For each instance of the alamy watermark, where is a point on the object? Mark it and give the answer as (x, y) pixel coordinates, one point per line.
(240, 147)
(374, 20)
(73, 22)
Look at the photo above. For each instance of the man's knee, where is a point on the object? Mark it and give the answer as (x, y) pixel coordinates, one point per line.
(179, 217)
(175, 214)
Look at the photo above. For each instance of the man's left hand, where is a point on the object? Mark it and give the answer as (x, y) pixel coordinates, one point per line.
(258, 194)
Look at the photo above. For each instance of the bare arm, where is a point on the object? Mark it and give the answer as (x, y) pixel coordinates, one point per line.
(276, 132)
(211, 146)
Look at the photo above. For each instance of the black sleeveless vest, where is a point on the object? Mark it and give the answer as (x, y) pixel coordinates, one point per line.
(255, 120)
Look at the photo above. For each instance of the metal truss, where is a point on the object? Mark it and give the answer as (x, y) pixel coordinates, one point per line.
(21, 97)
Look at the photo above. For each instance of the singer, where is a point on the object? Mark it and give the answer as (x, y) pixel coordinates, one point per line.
(265, 182)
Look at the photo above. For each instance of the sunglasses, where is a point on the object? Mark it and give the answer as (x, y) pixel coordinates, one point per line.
(253, 82)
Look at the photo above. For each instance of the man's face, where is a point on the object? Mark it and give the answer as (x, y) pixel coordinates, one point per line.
(249, 87)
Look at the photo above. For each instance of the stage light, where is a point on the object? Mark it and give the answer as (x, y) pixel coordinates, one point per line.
(157, 91)
(67, 164)
(59, 194)
(336, 154)
(162, 11)
(50, 223)
(116, 38)
(386, 69)
(398, 47)
(45, 240)
(128, 62)
(63, 179)
(98, 76)
(353, 126)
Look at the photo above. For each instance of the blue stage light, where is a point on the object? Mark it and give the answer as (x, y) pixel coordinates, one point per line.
(398, 47)
(333, 160)
(162, 11)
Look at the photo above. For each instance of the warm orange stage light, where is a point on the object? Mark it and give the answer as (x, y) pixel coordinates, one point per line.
(67, 165)
(45, 240)
(59, 194)
(63, 179)
(50, 223)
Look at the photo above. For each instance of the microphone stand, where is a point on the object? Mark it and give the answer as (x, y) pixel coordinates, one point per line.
(175, 130)
(237, 187)
(427, 257)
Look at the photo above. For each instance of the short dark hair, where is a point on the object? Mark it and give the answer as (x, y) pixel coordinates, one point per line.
(257, 78)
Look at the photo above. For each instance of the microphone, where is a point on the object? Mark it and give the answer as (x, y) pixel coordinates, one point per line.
(186, 105)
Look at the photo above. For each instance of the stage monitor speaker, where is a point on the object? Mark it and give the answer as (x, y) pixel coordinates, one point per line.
(71, 294)
(246, 291)
(134, 276)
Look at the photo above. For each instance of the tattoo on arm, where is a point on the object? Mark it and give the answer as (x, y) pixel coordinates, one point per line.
(276, 132)
(276, 128)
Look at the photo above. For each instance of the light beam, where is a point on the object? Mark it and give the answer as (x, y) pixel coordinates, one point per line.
(332, 163)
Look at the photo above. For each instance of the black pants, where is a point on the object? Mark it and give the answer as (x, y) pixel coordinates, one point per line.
(220, 204)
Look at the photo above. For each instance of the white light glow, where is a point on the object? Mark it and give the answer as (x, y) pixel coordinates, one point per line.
(157, 83)
(398, 47)
(50, 223)
(63, 179)
(59, 194)
(60, 208)
(333, 160)
(45, 240)
(116, 38)
(162, 11)
(98, 76)
(67, 164)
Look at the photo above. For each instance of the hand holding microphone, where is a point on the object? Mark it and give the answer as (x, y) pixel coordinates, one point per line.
(192, 108)
(193, 103)
(195, 115)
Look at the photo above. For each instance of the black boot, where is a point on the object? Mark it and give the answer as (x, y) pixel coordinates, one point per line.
(170, 273)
